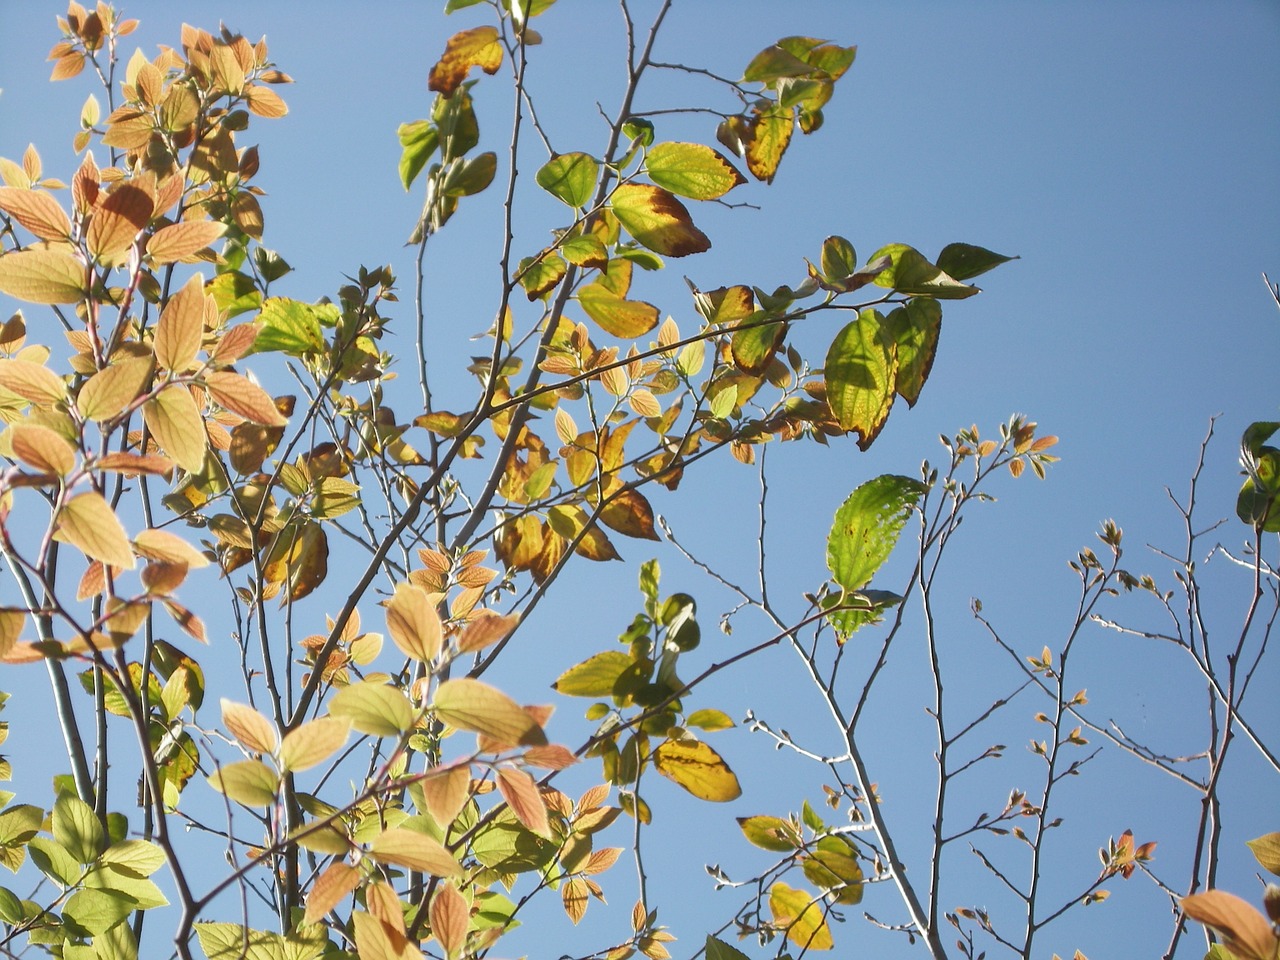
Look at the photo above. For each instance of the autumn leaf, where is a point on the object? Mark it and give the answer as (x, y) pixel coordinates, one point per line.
(333, 886)
(181, 327)
(37, 211)
(117, 220)
(472, 705)
(242, 396)
(89, 524)
(478, 47)
(617, 315)
(522, 796)
(1247, 932)
(179, 241)
(417, 851)
(657, 220)
(860, 376)
(699, 769)
(110, 390)
(42, 448)
(450, 917)
(254, 731)
(414, 624)
(692, 170)
(801, 917)
(313, 742)
(176, 425)
(42, 276)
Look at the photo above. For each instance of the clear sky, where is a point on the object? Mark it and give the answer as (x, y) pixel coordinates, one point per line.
(1125, 151)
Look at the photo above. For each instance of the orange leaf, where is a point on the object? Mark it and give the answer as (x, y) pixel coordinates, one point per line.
(478, 47)
(42, 448)
(521, 794)
(450, 917)
(181, 327)
(175, 422)
(179, 241)
(241, 395)
(446, 793)
(37, 211)
(118, 220)
(265, 102)
(414, 624)
(486, 629)
(330, 889)
(1247, 933)
(254, 731)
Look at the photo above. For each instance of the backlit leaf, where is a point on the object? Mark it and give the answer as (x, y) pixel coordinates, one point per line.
(629, 513)
(417, 851)
(254, 731)
(719, 950)
(166, 547)
(767, 136)
(698, 768)
(860, 373)
(88, 523)
(32, 381)
(692, 170)
(181, 327)
(800, 916)
(657, 220)
(522, 796)
(867, 527)
(472, 705)
(313, 742)
(477, 47)
(595, 676)
(915, 328)
(42, 276)
(374, 708)
(242, 396)
(418, 141)
(179, 241)
(570, 177)
(37, 211)
(910, 273)
(176, 425)
(617, 315)
(42, 448)
(1267, 851)
(414, 624)
(964, 261)
(289, 326)
(250, 782)
(109, 391)
(77, 828)
(335, 884)
(1247, 933)
(117, 220)
(770, 833)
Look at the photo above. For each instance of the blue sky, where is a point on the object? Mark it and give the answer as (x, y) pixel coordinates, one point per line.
(1125, 151)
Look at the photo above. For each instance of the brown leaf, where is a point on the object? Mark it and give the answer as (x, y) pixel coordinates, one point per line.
(37, 211)
(629, 513)
(478, 47)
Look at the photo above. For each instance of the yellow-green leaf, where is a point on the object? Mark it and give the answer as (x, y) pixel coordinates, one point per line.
(796, 911)
(692, 170)
(595, 676)
(1267, 851)
(617, 315)
(414, 624)
(699, 769)
(570, 177)
(417, 851)
(313, 742)
(657, 220)
(860, 376)
(254, 731)
(250, 782)
(42, 276)
(910, 273)
(767, 136)
(88, 523)
(176, 425)
(374, 708)
(476, 706)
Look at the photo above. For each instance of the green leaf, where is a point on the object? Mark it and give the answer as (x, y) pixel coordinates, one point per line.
(290, 326)
(55, 861)
(539, 276)
(699, 769)
(709, 719)
(774, 63)
(466, 177)
(719, 950)
(964, 261)
(767, 136)
(916, 328)
(374, 708)
(860, 372)
(586, 251)
(97, 911)
(770, 833)
(595, 676)
(839, 258)
(657, 220)
(754, 348)
(230, 941)
(418, 141)
(692, 170)
(234, 293)
(78, 829)
(910, 273)
(250, 782)
(836, 871)
(141, 858)
(867, 527)
(570, 177)
(10, 906)
(796, 911)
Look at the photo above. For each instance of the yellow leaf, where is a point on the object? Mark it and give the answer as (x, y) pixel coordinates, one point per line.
(802, 918)
(476, 706)
(478, 47)
(254, 731)
(168, 547)
(42, 276)
(250, 782)
(37, 211)
(617, 315)
(42, 448)
(109, 391)
(699, 769)
(330, 889)
(573, 895)
(313, 742)
(657, 220)
(89, 524)
(179, 241)
(181, 327)
(176, 425)
(414, 624)
(417, 851)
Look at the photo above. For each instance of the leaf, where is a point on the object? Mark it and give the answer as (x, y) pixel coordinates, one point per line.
(335, 884)
(450, 917)
(250, 782)
(657, 220)
(242, 396)
(446, 792)
(860, 374)
(313, 742)
(770, 833)
(1247, 933)
(617, 315)
(835, 871)
(290, 326)
(767, 136)
(254, 731)
(570, 177)
(910, 273)
(699, 769)
(522, 796)
(417, 851)
(42, 276)
(374, 708)
(692, 170)
(476, 706)
(477, 47)
(37, 211)
(1266, 849)
(176, 425)
(109, 391)
(77, 829)
(964, 261)
(418, 141)
(181, 327)
(719, 950)
(754, 348)
(595, 676)
(916, 328)
(117, 220)
(629, 513)
(540, 276)
(89, 524)
(709, 719)
(867, 527)
(414, 624)
(42, 448)
(486, 629)
(802, 918)
(167, 547)
(180, 241)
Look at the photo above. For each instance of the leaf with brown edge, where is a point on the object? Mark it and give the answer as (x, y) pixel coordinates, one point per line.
(617, 315)
(242, 396)
(692, 170)
(335, 884)
(251, 729)
(180, 241)
(313, 743)
(477, 47)
(89, 524)
(698, 768)
(1247, 932)
(860, 376)
(522, 796)
(167, 547)
(37, 211)
(417, 851)
(42, 276)
(117, 220)
(766, 138)
(176, 425)
(472, 705)
(42, 448)
(181, 327)
(657, 220)
(629, 513)
(450, 917)
(414, 624)
(109, 391)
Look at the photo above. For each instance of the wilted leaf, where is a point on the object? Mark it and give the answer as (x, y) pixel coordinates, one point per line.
(767, 136)
(477, 47)
(699, 769)
(657, 220)
(88, 523)
(476, 706)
